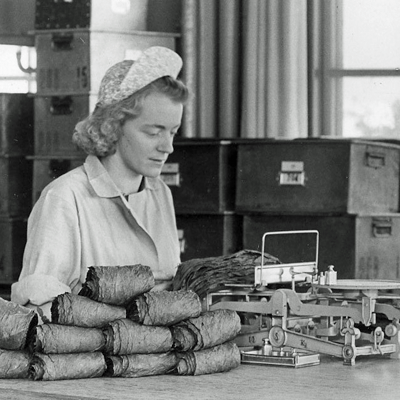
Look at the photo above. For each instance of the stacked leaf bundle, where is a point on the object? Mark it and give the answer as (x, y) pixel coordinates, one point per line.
(72, 345)
(16, 325)
(117, 326)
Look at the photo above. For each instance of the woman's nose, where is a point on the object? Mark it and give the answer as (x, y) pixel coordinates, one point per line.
(165, 144)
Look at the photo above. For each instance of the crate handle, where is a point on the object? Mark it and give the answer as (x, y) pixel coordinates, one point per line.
(382, 227)
(375, 160)
(61, 105)
(62, 42)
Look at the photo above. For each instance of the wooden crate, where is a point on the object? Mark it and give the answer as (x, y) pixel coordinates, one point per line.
(209, 235)
(55, 120)
(317, 176)
(201, 174)
(13, 241)
(114, 15)
(16, 186)
(16, 124)
(72, 62)
(359, 246)
(17, 20)
(46, 169)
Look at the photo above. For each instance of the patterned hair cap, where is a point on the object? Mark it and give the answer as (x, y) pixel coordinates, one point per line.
(127, 77)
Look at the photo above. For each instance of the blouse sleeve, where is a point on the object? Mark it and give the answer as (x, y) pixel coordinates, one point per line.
(51, 263)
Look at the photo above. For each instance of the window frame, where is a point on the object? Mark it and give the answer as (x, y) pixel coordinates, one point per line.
(326, 72)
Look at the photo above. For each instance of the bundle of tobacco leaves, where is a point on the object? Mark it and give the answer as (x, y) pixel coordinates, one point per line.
(221, 358)
(207, 275)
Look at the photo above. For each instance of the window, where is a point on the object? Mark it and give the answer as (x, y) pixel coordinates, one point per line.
(355, 70)
(17, 69)
(371, 68)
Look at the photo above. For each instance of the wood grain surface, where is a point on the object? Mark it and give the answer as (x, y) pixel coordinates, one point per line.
(371, 377)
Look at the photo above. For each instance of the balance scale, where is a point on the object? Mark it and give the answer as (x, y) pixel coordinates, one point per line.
(311, 314)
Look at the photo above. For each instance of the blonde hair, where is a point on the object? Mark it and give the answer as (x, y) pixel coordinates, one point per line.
(100, 131)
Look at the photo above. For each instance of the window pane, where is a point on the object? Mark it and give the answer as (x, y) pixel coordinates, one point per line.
(9, 64)
(14, 86)
(12, 78)
(371, 106)
(371, 34)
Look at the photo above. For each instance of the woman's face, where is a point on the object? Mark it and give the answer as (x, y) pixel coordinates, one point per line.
(146, 141)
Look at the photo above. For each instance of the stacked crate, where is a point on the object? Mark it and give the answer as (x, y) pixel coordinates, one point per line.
(76, 42)
(348, 190)
(16, 142)
(201, 174)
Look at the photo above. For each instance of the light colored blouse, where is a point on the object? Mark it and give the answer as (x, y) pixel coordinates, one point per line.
(82, 219)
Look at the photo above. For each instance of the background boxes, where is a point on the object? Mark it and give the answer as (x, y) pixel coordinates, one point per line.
(74, 61)
(55, 120)
(16, 143)
(359, 246)
(209, 235)
(16, 124)
(201, 174)
(317, 176)
(13, 239)
(17, 20)
(115, 15)
(15, 186)
(46, 169)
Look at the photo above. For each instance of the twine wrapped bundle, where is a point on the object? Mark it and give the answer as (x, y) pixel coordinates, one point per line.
(14, 364)
(16, 324)
(118, 284)
(75, 310)
(137, 365)
(208, 330)
(60, 339)
(164, 308)
(127, 337)
(220, 358)
(51, 367)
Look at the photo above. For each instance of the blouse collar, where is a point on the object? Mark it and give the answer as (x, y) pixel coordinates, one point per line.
(102, 183)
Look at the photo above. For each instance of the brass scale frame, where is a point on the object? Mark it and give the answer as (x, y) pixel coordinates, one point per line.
(288, 328)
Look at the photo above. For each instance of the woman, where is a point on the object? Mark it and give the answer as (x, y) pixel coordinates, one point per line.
(113, 210)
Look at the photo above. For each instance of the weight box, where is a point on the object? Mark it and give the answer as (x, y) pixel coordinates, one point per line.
(55, 120)
(117, 15)
(359, 247)
(16, 124)
(209, 235)
(317, 176)
(201, 174)
(13, 239)
(16, 186)
(71, 62)
(46, 169)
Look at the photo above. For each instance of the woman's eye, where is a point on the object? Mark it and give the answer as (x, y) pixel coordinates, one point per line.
(152, 133)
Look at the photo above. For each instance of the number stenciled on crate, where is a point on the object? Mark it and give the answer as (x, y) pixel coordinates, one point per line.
(49, 78)
(82, 76)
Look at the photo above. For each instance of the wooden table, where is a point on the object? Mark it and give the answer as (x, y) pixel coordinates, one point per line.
(371, 378)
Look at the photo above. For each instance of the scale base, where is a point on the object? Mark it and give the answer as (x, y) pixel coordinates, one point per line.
(296, 360)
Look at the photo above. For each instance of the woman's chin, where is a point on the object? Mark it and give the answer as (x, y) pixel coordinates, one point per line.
(153, 173)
